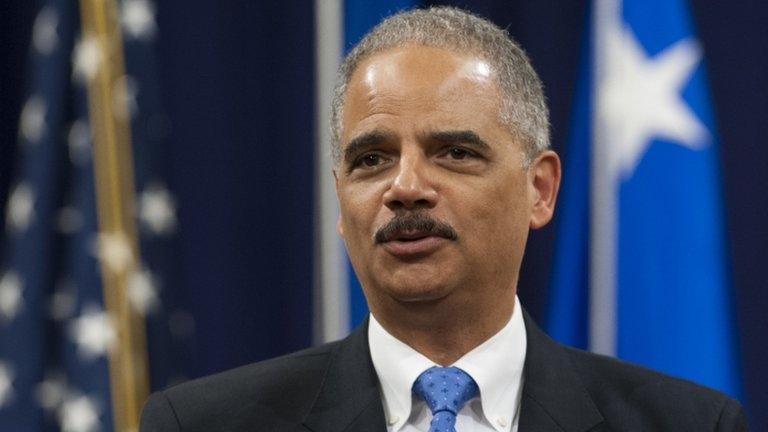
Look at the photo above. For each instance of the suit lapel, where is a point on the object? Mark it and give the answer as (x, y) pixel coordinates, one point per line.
(349, 399)
(553, 397)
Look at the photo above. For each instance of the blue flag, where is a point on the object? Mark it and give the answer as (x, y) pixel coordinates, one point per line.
(641, 269)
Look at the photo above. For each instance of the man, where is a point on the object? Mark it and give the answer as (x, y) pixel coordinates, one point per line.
(442, 166)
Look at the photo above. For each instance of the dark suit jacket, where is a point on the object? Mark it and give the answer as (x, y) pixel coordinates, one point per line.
(334, 388)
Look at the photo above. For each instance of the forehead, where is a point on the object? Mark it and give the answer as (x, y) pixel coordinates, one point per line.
(424, 85)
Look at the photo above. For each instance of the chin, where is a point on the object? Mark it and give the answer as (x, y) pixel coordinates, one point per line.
(416, 282)
(419, 290)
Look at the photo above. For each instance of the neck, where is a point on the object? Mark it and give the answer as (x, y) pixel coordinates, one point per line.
(443, 331)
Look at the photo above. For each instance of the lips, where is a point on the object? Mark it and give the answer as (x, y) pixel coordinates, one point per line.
(413, 243)
(411, 235)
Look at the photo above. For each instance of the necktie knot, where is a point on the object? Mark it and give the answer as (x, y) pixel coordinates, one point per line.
(445, 390)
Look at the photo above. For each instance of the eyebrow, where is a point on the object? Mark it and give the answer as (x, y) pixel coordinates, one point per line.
(364, 142)
(459, 137)
(373, 138)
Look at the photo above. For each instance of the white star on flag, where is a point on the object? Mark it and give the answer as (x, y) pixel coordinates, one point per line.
(114, 251)
(10, 295)
(62, 303)
(157, 209)
(79, 414)
(32, 119)
(79, 142)
(126, 89)
(6, 383)
(142, 292)
(93, 332)
(87, 58)
(138, 19)
(21, 208)
(640, 97)
(51, 391)
(44, 36)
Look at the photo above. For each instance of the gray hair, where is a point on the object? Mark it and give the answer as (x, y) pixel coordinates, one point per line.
(523, 108)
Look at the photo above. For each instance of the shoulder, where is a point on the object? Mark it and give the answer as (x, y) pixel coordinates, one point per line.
(278, 377)
(278, 391)
(627, 394)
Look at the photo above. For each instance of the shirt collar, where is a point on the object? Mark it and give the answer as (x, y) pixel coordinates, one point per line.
(397, 365)
(496, 365)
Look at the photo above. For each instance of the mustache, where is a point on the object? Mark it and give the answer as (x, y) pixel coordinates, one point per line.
(416, 221)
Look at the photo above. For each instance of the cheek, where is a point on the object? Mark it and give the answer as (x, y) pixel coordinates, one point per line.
(496, 214)
(359, 207)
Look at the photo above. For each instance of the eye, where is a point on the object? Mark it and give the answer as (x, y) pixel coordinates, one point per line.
(367, 160)
(459, 153)
(371, 159)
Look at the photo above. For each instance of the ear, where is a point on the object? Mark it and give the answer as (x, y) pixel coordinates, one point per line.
(339, 225)
(544, 174)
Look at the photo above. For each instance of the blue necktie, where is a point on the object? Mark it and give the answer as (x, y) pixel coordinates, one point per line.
(445, 390)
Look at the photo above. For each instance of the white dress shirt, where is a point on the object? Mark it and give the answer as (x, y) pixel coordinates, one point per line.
(496, 365)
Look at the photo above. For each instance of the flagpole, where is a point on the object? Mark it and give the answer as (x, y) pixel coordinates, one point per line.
(115, 198)
(331, 291)
(604, 202)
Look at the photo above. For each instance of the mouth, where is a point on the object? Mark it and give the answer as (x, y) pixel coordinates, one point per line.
(413, 243)
(412, 235)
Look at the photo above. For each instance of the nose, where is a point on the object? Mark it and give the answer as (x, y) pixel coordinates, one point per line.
(411, 188)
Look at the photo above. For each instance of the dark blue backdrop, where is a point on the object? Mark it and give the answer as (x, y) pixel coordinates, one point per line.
(237, 84)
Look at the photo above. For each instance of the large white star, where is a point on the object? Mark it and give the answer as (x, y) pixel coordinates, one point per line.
(10, 295)
(6, 383)
(138, 19)
(640, 98)
(79, 414)
(157, 209)
(93, 332)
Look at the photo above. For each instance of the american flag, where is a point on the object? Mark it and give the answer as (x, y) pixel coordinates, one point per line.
(82, 297)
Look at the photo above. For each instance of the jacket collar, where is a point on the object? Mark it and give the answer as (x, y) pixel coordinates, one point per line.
(554, 399)
(349, 399)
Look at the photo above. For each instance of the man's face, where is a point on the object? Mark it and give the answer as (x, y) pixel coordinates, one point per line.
(435, 202)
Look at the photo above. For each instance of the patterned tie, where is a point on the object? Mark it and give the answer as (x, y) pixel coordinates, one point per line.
(445, 390)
